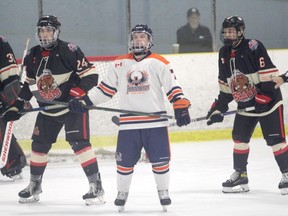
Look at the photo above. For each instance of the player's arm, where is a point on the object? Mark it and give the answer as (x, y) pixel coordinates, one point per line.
(9, 73)
(266, 95)
(220, 105)
(84, 76)
(279, 80)
(175, 95)
(104, 91)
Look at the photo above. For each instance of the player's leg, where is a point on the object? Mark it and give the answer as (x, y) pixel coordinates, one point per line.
(128, 152)
(241, 134)
(16, 158)
(16, 161)
(78, 136)
(157, 147)
(45, 133)
(274, 134)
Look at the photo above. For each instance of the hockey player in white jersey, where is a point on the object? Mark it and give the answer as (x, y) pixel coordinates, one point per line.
(139, 77)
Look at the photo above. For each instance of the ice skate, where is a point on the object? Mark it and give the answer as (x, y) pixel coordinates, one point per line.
(121, 200)
(238, 183)
(95, 194)
(31, 193)
(283, 185)
(164, 199)
(13, 168)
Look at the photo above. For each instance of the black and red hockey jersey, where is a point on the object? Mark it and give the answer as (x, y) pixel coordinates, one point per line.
(245, 72)
(54, 72)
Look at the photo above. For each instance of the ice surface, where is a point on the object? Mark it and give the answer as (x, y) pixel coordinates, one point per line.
(197, 171)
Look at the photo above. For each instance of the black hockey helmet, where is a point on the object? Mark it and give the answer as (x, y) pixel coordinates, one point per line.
(233, 22)
(48, 21)
(136, 48)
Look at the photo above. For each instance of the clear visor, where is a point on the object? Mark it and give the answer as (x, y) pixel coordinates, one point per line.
(140, 44)
(46, 36)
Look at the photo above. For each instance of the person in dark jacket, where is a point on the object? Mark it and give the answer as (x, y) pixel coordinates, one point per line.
(194, 37)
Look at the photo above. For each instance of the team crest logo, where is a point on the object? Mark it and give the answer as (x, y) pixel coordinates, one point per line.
(137, 81)
(253, 44)
(47, 87)
(242, 88)
(72, 47)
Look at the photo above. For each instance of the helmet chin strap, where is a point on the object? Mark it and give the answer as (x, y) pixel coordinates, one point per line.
(233, 42)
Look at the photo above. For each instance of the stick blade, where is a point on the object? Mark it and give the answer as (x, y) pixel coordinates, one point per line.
(115, 120)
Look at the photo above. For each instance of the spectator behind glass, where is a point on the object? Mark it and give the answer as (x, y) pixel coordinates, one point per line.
(194, 37)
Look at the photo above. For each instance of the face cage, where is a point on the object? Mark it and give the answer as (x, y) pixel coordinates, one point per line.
(231, 42)
(46, 43)
(140, 47)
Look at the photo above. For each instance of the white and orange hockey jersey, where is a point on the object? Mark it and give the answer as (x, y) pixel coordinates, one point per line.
(140, 85)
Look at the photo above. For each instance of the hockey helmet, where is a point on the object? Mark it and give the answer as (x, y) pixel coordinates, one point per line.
(233, 22)
(50, 22)
(140, 48)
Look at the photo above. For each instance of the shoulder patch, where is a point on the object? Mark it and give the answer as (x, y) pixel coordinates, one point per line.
(253, 44)
(72, 47)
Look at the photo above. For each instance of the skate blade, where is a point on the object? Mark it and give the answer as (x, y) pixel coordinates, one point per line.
(284, 191)
(237, 189)
(164, 208)
(95, 201)
(17, 177)
(33, 199)
(121, 208)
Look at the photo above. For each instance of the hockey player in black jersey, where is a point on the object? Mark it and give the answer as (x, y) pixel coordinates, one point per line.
(245, 72)
(9, 88)
(61, 72)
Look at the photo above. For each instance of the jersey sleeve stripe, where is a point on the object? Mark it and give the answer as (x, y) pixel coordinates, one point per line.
(107, 90)
(267, 75)
(174, 93)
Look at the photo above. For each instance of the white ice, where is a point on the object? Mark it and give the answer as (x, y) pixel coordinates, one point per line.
(197, 171)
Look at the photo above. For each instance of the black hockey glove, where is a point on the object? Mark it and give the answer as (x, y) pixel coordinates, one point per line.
(78, 105)
(214, 115)
(262, 103)
(13, 112)
(181, 111)
(79, 99)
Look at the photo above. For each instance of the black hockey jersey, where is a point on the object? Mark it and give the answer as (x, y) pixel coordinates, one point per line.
(52, 73)
(9, 75)
(245, 72)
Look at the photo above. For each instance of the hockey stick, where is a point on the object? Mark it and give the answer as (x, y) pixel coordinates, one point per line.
(6, 144)
(22, 75)
(93, 107)
(43, 108)
(116, 120)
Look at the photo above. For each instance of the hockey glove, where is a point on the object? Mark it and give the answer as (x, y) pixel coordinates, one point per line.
(13, 112)
(78, 105)
(181, 111)
(214, 115)
(262, 103)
